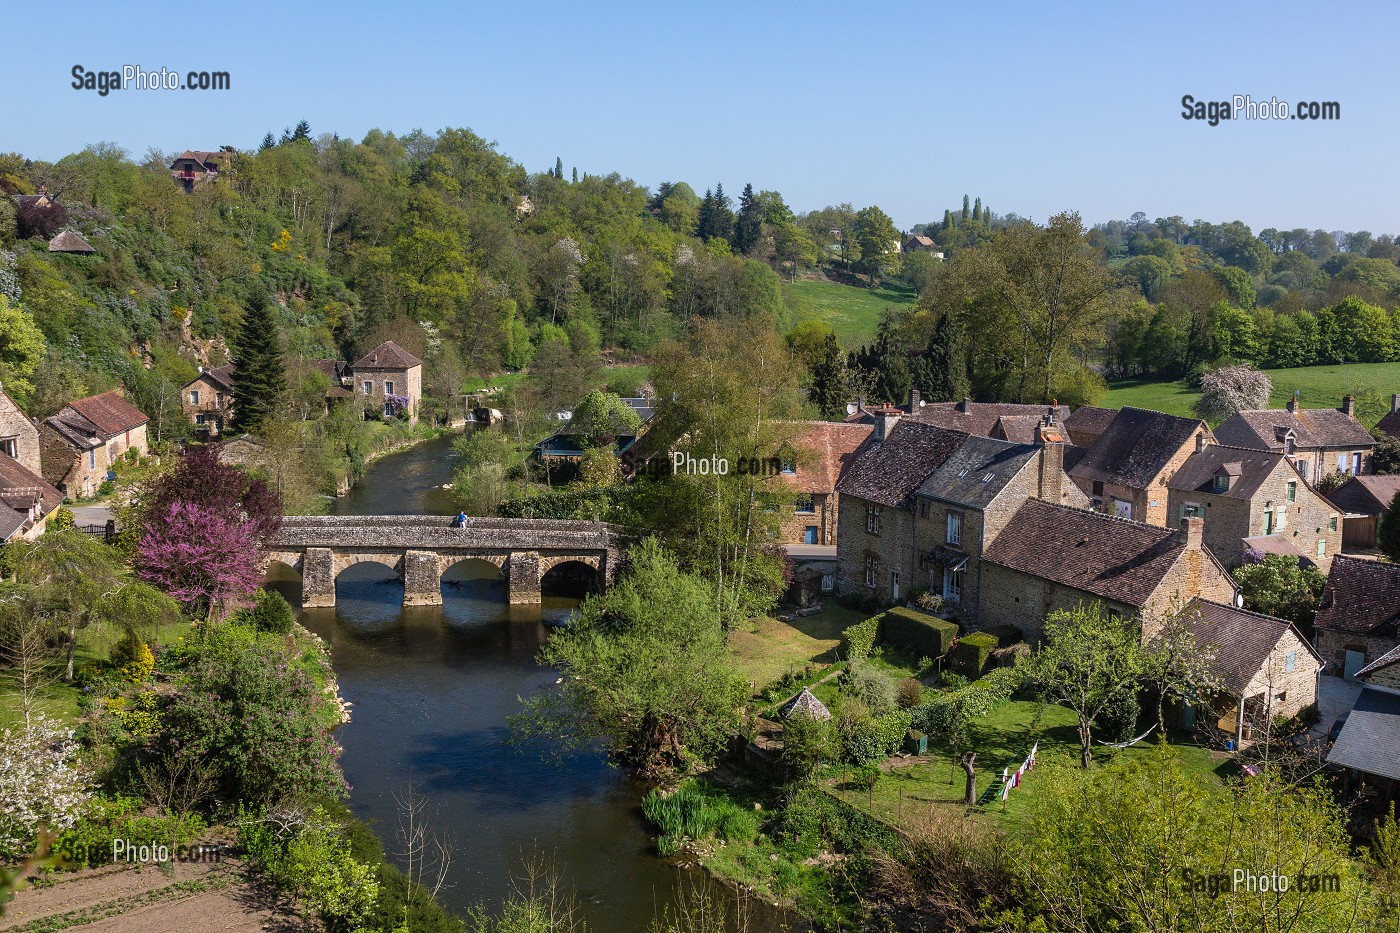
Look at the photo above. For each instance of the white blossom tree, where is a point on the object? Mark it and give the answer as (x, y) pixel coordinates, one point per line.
(43, 784)
(1232, 389)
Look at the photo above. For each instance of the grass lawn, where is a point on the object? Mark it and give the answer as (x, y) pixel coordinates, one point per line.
(1001, 739)
(772, 647)
(851, 311)
(1317, 387)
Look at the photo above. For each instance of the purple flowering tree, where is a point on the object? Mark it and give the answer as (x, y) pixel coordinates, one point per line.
(205, 558)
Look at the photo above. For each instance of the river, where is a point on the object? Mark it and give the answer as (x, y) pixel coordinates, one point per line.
(431, 691)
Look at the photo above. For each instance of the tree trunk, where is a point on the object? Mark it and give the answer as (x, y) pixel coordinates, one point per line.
(72, 647)
(968, 764)
(1086, 750)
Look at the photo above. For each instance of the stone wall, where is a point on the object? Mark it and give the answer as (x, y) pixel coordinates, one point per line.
(1011, 597)
(1387, 677)
(16, 426)
(824, 516)
(1333, 645)
(892, 550)
(1285, 692)
(76, 473)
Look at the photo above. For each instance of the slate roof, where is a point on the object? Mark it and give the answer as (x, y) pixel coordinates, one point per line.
(804, 704)
(109, 413)
(70, 241)
(20, 489)
(1086, 423)
(1242, 640)
(1366, 495)
(1019, 429)
(388, 355)
(222, 376)
(1136, 447)
(978, 417)
(1370, 740)
(888, 472)
(1114, 558)
(829, 449)
(333, 370)
(75, 429)
(1390, 424)
(1386, 660)
(1362, 597)
(1265, 429)
(1249, 467)
(977, 471)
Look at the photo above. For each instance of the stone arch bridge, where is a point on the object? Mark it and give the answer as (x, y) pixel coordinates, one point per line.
(420, 549)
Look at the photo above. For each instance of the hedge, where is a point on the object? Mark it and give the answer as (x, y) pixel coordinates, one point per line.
(1006, 635)
(973, 651)
(860, 639)
(920, 634)
(971, 702)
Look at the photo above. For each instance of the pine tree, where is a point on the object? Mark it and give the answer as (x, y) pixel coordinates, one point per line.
(947, 220)
(258, 376)
(966, 208)
(268, 142)
(303, 131)
(1388, 535)
(558, 168)
(704, 220)
(829, 381)
(723, 216)
(945, 372)
(987, 217)
(749, 224)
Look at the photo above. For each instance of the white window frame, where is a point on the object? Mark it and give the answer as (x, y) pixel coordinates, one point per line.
(194, 396)
(388, 387)
(368, 386)
(952, 584)
(872, 519)
(10, 446)
(870, 571)
(954, 527)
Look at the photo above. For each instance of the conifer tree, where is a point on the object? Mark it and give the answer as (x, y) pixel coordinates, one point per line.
(258, 376)
(829, 380)
(966, 208)
(558, 168)
(575, 175)
(977, 209)
(749, 223)
(945, 372)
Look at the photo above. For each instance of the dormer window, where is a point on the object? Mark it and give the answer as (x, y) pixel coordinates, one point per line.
(789, 467)
(1290, 445)
(1222, 483)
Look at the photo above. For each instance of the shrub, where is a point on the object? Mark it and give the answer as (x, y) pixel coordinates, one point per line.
(973, 651)
(871, 686)
(861, 602)
(910, 693)
(688, 813)
(867, 738)
(89, 841)
(970, 702)
(43, 784)
(269, 613)
(61, 519)
(1119, 719)
(860, 639)
(918, 632)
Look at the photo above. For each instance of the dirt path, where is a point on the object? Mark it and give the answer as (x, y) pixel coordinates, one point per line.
(195, 898)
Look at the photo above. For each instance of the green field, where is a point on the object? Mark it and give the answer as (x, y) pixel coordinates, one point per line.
(1317, 387)
(851, 311)
(632, 372)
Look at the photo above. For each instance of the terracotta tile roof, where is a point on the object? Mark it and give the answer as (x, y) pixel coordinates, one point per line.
(388, 355)
(828, 449)
(889, 472)
(977, 471)
(1265, 429)
(1366, 495)
(1114, 558)
(1362, 597)
(1249, 468)
(1242, 640)
(109, 412)
(977, 417)
(1086, 423)
(1136, 447)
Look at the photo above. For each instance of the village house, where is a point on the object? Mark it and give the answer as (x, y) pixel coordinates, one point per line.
(822, 451)
(918, 243)
(965, 503)
(1369, 742)
(1126, 470)
(389, 379)
(1390, 423)
(1255, 499)
(193, 168)
(207, 401)
(26, 499)
(1321, 441)
(1364, 499)
(19, 437)
(1087, 423)
(1265, 667)
(1358, 617)
(85, 438)
(1051, 557)
(875, 546)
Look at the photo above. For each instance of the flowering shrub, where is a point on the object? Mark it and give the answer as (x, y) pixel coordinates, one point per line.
(1232, 389)
(204, 558)
(138, 669)
(43, 785)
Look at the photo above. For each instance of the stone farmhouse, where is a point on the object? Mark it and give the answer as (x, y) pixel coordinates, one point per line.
(1051, 557)
(192, 168)
(389, 379)
(1364, 499)
(85, 438)
(1267, 669)
(1126, 470)
(207, 401)
(19, 437)
(822, 452)
(1255, 499)
(26, 499)
(1320, 441)
(1358, 618)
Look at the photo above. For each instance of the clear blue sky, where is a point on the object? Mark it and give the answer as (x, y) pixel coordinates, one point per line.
(1036, 107)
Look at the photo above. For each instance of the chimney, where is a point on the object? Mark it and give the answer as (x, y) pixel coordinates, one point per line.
(913, 401)
(1395, 403)
(885, 420)
(1194, 527)
(1051, 485)
(1200, 441)
(1349, 405)
(965, 405)
(1293, 404)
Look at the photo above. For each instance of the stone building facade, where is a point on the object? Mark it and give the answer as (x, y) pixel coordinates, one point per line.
(207, 401)
(1320, 441)
(386, 374)
(1126, 471)
(79, 444)
(19, 437)
(1358, 617)
(822, 451)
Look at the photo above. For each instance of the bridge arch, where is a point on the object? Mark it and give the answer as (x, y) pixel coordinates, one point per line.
(575, 577)
(282, 574)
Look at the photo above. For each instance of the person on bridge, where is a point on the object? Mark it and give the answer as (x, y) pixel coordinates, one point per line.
(460, 521)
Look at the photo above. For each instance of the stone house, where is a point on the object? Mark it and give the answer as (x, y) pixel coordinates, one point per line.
(1126, 470)
(1321, 441)
(80, 443)
(1086, 423)
(822, 451)
(1369, 743)
(26, 500)
(207, 401)
(1266, 668)
(1254, 498)
(875, 546)
(388, 379)
(1358, 617)
(1051, 557)
(918, 243)
(193, 168)
(1364, 499)
(965, 503)
(19, 437)
(1390, 424)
